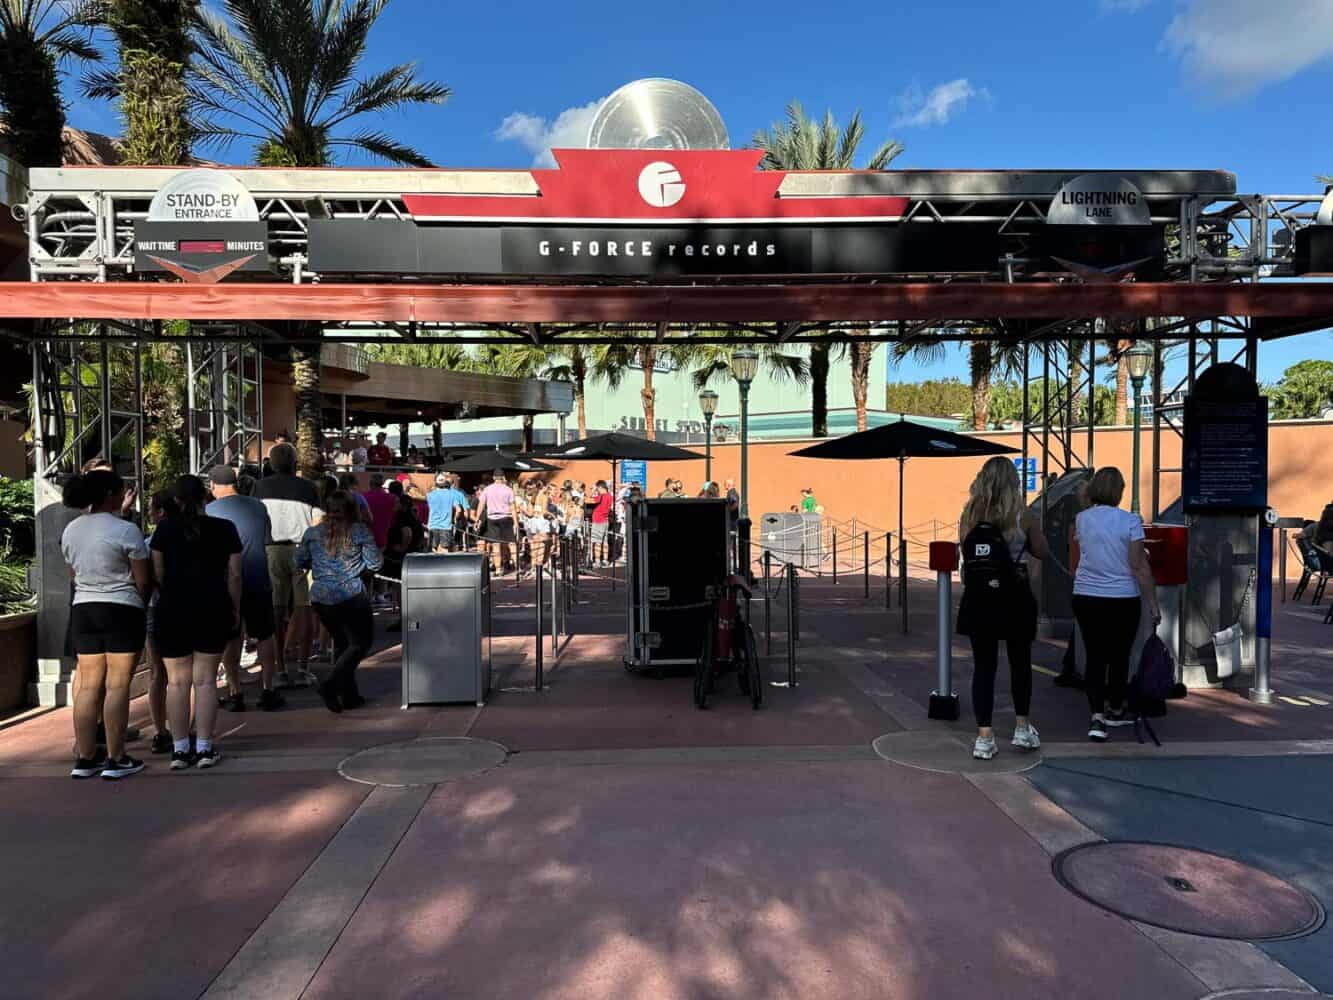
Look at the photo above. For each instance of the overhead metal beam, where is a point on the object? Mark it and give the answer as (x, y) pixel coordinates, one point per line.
(814, 303)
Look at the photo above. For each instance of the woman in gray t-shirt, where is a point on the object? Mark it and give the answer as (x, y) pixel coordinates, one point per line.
(108, 560)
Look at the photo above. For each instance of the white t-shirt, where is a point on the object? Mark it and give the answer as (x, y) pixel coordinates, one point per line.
(1104, 534)
(99, 548)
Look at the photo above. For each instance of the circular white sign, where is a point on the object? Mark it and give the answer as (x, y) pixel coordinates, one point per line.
(203, 196)
(660, 184)
(1099, 200)
(1324, 217)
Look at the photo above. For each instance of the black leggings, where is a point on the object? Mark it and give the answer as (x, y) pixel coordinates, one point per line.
(352, 627)
(1109, 626)
(986, 663)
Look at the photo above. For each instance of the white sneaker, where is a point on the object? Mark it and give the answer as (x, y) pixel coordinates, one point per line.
(984, 748)
(1026, 738)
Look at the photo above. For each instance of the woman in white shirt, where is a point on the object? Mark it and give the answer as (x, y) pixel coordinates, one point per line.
(108, 560)
(1112, 579)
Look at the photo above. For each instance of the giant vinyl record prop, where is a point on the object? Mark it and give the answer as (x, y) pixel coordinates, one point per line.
(657, 113)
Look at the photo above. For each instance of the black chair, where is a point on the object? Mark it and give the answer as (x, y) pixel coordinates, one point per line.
(1312, 568)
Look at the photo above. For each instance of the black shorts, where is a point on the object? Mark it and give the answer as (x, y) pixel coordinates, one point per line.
(441, 538)
(256, 615)
(103, 627)
(500, 529)
(193, 631)
(393, 567)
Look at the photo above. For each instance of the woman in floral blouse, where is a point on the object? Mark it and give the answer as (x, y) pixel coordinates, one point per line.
(338, 551)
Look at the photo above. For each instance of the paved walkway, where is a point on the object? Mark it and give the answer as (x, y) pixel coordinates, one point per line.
(626, 845)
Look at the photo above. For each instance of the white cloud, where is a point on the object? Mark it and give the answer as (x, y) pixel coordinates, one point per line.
(937, 106)
(1234, 47)
(569, 130)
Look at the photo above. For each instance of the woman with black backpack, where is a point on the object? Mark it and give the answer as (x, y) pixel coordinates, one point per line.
(997, 604)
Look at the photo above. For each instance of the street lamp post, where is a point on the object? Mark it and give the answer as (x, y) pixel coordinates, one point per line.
(744, 365)
(1138, 359)
(708, 404)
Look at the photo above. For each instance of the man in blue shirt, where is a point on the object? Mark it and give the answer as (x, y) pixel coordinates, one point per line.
(255, 527)
(445, 502)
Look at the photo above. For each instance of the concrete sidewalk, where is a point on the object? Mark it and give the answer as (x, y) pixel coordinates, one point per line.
(631, 846)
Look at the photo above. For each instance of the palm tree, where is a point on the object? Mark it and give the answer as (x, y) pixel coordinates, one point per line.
(283, 74)
(713, 361)
(36, 36)
(155, 47)
(801, 143)
(985, 359)
(572, 362)
(611, 363)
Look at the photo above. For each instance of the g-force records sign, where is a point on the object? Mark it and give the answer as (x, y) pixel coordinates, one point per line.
(649, 250)
(1099, 200)
(203, 196)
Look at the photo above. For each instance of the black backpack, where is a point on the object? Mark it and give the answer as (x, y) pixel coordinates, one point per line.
(997, 599)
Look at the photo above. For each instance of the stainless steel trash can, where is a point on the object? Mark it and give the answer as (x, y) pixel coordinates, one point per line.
(446, 628)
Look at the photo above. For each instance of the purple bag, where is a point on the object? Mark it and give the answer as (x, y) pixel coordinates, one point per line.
(1151, 686)
(1157, 671)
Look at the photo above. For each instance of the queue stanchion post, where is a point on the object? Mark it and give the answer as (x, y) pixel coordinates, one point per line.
(768, 600)
(902, 580)
(555, 609)
(943, 700)
(888, 570)
(1262, 692)
(835, 555)
(796, 603)
(540, 631)
(865, 558)
(791, 625)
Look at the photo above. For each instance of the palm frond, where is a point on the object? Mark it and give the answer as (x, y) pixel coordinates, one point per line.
(385, 147)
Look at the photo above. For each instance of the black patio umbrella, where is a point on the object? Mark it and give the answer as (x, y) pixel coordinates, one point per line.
(613, 447)
(490, 461)
(902, 440)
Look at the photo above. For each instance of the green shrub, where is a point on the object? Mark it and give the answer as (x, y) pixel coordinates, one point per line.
(16, 518)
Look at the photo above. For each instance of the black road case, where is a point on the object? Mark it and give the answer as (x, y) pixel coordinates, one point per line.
(676, 564)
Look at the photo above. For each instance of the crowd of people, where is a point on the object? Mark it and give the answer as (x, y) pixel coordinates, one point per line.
(1113, 586)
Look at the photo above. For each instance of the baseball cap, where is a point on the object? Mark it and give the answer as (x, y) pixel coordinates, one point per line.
(222, 475)
(441, 480)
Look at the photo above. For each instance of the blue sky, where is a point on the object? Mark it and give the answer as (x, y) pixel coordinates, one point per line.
(1240, 85)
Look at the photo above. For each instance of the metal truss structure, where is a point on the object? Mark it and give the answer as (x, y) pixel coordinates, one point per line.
(88, 397)
(225, 404)
(80, 222)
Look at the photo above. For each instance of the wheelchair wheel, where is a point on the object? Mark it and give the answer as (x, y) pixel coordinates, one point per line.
(751, 670)
(703, 670)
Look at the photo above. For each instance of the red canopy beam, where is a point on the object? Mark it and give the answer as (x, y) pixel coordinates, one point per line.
(680, 304)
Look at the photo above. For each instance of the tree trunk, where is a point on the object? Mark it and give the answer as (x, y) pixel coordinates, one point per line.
(1122, 382)
(649, 395)
(404, 441)
(305, 383)
(981, 362)
(437, 438)
(819, 364)
(527, 432)
(580, 404)
(860, 354)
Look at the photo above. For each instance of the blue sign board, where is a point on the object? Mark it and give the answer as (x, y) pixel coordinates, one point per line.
(1031, 475)
(634, 471)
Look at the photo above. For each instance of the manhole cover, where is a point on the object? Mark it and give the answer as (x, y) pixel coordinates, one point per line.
(1190, 891)
(430, 761)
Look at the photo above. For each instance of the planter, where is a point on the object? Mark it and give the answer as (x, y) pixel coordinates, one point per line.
(18, 658)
